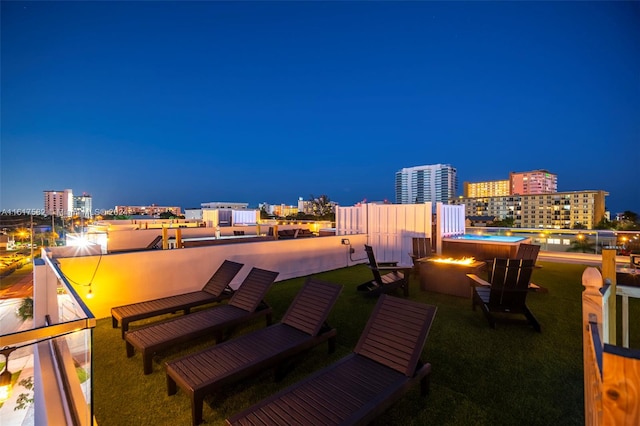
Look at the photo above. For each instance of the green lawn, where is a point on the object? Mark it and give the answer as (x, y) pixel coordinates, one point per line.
(481, 376)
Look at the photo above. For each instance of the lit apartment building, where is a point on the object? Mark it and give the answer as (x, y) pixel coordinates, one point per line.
(533, 182)
(420, 184)
(151, 210)
(310, 207)
(223, 213)
(82, 205)
(521, 183)
(283, 210)
(559, 210)
(490, 188)
(58, 203)
(305, 206)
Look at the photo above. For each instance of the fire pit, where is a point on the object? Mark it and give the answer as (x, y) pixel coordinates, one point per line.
(448, 275)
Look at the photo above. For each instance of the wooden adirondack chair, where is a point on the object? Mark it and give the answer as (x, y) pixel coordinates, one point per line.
(505, 292)
(421, 249)
(387, 276)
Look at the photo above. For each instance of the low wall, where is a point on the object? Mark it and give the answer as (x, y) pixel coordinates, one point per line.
(122, 278)
(136, 239)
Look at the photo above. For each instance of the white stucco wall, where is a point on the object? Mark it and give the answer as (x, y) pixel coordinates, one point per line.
(124, 278)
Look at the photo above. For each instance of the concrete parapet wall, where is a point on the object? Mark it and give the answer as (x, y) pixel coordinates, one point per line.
(123, 278)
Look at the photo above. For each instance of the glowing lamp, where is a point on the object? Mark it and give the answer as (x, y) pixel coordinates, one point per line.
(5, 377)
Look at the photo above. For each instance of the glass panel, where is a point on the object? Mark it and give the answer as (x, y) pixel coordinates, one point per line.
(75, 357)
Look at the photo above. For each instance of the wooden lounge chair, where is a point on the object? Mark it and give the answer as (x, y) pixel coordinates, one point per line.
(355, 390)
(387, 276)
(155, 244)
(245, 305)
(302, 328)
(215, 290)
(421, 249)
(505, 292)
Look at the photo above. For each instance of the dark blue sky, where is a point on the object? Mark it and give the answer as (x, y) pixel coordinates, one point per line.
(178, 103)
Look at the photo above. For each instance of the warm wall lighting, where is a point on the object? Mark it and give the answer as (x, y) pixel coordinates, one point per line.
(5, 377)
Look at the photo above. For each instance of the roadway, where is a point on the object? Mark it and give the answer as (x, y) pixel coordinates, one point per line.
(11, 297)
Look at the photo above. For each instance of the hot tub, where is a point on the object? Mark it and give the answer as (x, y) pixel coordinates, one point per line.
(482, 247)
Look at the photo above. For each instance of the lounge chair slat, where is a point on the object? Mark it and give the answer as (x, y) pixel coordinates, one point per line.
(311, 307)
(253, 294)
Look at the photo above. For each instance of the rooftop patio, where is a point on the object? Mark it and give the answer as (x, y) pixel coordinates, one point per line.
(510, 375)
(480, 375)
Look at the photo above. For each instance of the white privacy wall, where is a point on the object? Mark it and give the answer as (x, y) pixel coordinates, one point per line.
(389, 227)
(450, 223)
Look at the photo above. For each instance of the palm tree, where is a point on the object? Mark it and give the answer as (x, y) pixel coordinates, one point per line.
(582, 244)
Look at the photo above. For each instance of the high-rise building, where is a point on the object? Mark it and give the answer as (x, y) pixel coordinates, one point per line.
(490, 188)
(533, 182)
(558, 210)
(58, 203)
(420, 184)
(82, 205)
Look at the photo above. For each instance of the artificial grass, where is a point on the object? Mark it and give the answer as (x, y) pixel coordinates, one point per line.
(481, 376)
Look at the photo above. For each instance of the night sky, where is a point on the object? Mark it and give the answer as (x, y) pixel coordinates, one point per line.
(179, 103)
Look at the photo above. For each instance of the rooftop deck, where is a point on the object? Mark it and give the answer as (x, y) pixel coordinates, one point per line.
(510, 375)
(481, 376)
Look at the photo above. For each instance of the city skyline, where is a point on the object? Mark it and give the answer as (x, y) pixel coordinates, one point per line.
(184, 103)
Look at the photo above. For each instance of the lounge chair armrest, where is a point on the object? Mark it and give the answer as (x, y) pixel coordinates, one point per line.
(476, 281)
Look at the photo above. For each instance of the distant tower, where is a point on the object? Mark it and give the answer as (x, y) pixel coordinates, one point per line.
(58, 203)
(434, 183)
(82, 205)
(533, 182)
(491, 188)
